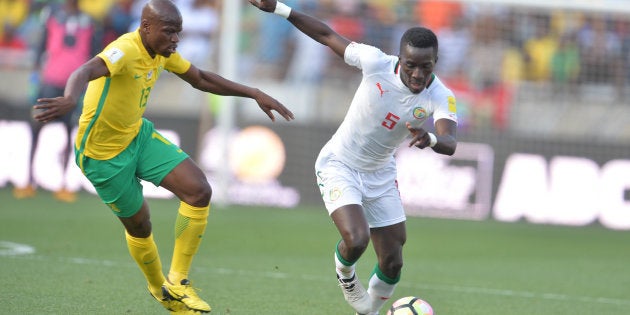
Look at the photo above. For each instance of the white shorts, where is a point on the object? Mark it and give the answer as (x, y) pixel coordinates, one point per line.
(376, 191)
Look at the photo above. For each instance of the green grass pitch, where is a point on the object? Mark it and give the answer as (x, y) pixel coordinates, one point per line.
(280, 261)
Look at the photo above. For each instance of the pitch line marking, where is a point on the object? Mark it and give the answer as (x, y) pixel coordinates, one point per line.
(520, 294)
(14, 249)
(24, 250)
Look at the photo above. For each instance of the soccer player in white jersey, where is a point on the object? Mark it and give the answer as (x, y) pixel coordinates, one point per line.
(356, 170)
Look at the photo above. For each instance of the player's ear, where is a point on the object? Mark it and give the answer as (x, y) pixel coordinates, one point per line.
(144, 25)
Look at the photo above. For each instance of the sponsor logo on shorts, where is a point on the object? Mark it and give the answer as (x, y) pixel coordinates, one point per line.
(335, 194)
(113, 207)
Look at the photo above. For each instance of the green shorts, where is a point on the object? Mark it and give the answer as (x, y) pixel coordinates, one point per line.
(149, 157)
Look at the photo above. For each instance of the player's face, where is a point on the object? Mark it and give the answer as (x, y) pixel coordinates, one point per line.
(416, 67)
(160, 32)
(165, 37)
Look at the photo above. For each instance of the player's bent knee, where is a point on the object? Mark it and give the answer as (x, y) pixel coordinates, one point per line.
(137, 229)
(199, 196)
(357, 243)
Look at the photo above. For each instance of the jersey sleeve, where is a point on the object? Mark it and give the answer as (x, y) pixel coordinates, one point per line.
(365, 57)
(114, 57)
(177, 64)
(446, 105)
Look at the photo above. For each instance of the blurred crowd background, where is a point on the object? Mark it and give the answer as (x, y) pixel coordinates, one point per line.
(558, 71)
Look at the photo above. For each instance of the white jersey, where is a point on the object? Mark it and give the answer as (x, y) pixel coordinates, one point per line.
(375, 124)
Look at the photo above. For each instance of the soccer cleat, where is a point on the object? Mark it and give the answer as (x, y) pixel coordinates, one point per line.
(24, 192)
(356, 295)
(65, 196)
(174, 307)
(185, 293)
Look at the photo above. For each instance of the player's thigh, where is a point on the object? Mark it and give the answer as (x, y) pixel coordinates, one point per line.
(383, 205)
(115, 182)
(158, 156)
(188, 182)
(338, 184)
(384, 210)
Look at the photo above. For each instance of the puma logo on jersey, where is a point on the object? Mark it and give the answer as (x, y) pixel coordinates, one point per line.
(380, 88)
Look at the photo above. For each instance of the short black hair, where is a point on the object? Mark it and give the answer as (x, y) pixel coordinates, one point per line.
(419, 37)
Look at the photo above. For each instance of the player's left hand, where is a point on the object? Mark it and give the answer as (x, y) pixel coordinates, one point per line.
(420, 137)
(48, 109)
(268, 103)
(264, 5)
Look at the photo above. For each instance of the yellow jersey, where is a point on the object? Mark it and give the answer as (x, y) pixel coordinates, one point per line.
(113, 105)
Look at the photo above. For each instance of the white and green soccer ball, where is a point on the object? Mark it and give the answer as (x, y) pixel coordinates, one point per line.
(410, 305)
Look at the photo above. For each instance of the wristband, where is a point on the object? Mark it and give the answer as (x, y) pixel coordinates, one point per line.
(433, 140)
(282, 10)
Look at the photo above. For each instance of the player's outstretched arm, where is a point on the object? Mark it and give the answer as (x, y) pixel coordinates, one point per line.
(50, 108)
(444, 141)
(307, 24)
(213, 83)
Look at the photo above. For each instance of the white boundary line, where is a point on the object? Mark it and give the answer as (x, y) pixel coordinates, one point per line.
(282, 275)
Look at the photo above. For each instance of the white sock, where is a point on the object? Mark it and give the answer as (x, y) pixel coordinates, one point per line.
(343, 271)
(380, 291)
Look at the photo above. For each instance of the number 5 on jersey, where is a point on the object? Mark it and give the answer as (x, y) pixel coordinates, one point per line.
(390, 121)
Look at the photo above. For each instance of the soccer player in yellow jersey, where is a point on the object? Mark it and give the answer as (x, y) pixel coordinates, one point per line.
(116, 147)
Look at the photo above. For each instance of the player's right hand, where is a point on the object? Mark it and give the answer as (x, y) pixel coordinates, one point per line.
(419, 137)
(48, 109)
(268, 103)
(264, 5)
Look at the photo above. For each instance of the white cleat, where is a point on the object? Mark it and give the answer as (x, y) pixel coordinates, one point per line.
(356, 295)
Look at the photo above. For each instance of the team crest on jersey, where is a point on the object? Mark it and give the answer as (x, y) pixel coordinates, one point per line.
(419, 113)
(113, 54)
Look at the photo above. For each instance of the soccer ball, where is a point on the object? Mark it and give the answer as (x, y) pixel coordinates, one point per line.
(410, 305)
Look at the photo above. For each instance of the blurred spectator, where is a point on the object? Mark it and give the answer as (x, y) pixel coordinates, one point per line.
(307, 54)
(10, 39)
(601, 53)
(200, 26)
(69, 39)
(136, 11)
(273, 43)
(623, 27)
(539, 50)
(565, 65)
(12, 14)
(97, 9)
(346, 17)
(437, 14)
(118, 20)
(380, 23)
(513, 63)
(489, 96)
(456, 37)
(12, 48)
(31, 29)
